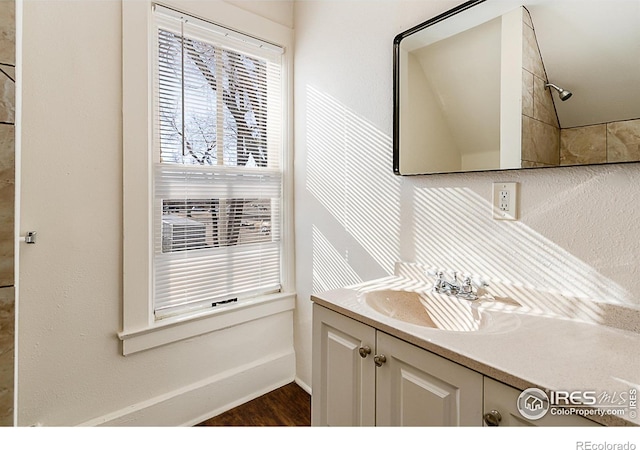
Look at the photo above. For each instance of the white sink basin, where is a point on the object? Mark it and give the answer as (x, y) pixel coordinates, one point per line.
(425, 309)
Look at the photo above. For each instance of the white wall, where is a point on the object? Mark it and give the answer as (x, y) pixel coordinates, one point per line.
(70, 367)
(463, 72)
(424, 121)
(511, 86)
(578, 228)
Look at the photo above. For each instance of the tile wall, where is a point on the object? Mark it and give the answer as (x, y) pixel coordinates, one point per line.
(7, 196)
(540, 128)
(544, 143)
(607, 142)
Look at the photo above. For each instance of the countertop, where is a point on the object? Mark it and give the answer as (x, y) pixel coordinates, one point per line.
(552, 345)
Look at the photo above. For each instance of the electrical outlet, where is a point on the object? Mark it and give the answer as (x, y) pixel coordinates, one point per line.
(505, 201)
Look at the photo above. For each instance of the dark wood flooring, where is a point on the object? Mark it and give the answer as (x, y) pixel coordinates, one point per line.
(289, 405)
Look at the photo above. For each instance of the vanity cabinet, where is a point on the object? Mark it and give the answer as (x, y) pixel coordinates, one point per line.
(417, 388)
(343, 381)
(365, 377)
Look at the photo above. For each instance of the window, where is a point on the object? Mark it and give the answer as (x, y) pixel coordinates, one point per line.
(217, 165)
(208, 239)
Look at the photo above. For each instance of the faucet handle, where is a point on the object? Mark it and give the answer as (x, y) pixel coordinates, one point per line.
(467, 285)
(439, 281)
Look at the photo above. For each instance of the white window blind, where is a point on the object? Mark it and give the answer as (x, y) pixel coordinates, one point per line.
(217, 165)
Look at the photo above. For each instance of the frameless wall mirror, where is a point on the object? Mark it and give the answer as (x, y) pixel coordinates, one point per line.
(508, 84)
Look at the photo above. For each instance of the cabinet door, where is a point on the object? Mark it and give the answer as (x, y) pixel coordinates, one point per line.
(343, 381)
(418, 388)
(503, 399)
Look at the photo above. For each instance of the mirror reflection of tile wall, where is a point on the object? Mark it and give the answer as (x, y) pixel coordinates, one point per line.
(7, 196)
(603, 143)
(545, 142)
(540, 127)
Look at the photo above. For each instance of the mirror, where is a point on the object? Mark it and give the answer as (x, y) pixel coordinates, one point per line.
(480, 87)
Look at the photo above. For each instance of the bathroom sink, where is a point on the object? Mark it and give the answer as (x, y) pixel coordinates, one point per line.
(426, 309)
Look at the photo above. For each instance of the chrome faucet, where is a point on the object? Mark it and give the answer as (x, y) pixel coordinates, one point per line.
(466, 289)
(443, 286)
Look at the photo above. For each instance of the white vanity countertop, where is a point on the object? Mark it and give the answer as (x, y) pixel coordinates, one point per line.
(520, 346)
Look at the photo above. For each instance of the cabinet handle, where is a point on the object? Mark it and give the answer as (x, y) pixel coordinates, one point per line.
(379, 360)
(364, 351)
(493, 418)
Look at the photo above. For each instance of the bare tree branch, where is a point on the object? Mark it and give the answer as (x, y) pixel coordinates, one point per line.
(243, 104)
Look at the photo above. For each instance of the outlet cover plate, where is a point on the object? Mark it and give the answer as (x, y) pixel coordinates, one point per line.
(505, 201)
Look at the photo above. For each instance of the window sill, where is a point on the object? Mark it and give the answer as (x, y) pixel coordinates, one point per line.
(182, 327)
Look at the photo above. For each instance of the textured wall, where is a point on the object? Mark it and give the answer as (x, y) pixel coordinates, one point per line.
(354, 218)
(7, 195)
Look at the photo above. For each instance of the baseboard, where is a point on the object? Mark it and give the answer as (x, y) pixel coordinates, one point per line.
(195, 403)
(303, 385)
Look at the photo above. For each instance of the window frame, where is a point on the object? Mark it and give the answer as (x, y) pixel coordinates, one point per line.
(140, 329)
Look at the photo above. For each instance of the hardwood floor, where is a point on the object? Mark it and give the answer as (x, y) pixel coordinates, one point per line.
(289, 405)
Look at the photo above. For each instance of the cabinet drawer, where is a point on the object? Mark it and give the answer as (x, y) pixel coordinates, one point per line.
(502, 398)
